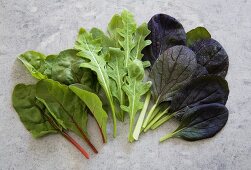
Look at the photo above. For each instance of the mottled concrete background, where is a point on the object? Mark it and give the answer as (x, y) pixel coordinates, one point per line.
(51, 26)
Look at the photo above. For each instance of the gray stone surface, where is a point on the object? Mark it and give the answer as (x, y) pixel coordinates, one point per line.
(51, 26)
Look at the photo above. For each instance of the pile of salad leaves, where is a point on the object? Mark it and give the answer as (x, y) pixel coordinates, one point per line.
(104, 75)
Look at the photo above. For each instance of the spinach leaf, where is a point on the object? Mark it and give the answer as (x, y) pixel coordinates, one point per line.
(31, 111)
(212, 56)
(166, 32)
(90, 49)
(66, 108)
(203, 90)
(36, 117)
(201, 122)
(199, 33)
(134, 88)
(172, 70)
(93, 102)
(34, 61)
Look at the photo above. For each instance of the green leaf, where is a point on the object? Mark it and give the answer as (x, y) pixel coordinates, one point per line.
(134, 88)
(141, 33)
(33, 61)
(127, 32)
(199, 33)
(31, 111)
(115, 23)
(90, 49)
(93, 102)
(63, 104)
(65, 67)
(117, 72)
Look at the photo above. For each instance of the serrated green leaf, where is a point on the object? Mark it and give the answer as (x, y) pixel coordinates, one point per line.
(90, 49)
(134, 88)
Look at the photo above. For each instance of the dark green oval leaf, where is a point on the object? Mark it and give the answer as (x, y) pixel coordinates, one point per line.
(212, 56)
(172, 70)
(199, 33)
(203, 90)
(201, 122)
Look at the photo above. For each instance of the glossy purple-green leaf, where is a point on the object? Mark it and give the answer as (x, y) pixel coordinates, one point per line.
(212, 56)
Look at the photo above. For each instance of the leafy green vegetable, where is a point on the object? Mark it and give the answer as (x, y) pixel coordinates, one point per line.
(173, 69)
(33, 61)
(93, 102)
(90, 49)
(212, 56)
(31, 111)
(201, 122)
(166, 32)
(36, 117)
(134, 89)
(64, 106)
(199, 33)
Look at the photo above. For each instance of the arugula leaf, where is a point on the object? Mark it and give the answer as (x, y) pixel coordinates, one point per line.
(35, 116)
(127, 32)
(117, 73)
(31, 111)
(166, 32)
(201, 122)
(134, 89)
(90, 49)
(196, 34)
(33, 61)
(93, 102)
(64, 106)
(212, 56)
(173, 69)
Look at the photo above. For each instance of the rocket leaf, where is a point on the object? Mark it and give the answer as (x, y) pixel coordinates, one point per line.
(93, 102)
(166, 32)
(212, 56)
(90, 49)
(201, 122)
(134, 88)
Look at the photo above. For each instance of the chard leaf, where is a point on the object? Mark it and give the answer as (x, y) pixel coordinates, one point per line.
(65, 67)
(201, 122)
(134, 88)
(166, 32)
(199, 33)
(63, 105)
(203, 90)
(93, 102)
(31, 111)
(90, 49)
(212, 56)
(173, 69)
(34, 61)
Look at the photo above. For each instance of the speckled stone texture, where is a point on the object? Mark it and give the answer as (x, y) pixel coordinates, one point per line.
(51, 26)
